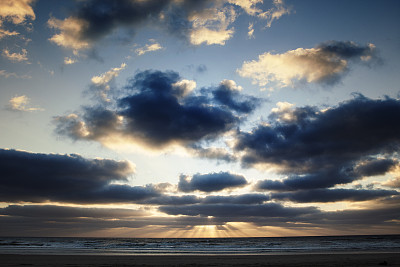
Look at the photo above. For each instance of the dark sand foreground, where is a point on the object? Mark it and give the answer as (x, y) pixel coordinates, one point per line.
(365, 259)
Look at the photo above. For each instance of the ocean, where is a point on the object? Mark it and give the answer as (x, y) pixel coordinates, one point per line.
(199, 246)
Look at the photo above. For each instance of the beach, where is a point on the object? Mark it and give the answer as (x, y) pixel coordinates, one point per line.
(342, 259)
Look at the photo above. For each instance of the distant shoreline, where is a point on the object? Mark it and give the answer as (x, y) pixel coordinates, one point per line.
(90, 253)
(334, 259)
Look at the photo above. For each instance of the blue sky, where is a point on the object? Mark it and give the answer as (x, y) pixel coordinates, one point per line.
(199, 118)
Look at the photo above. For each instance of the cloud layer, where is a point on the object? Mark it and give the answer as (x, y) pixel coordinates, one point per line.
(66, 178)
(72, 179)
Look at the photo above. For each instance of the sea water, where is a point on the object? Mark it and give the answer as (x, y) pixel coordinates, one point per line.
(200, 246)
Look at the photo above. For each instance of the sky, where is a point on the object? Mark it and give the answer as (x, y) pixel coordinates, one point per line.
(184, 118)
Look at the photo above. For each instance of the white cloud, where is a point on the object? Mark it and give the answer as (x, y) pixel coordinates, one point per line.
(185, 86)
(69, 61)
(4, 33)
(17, 57)
(325, 63)
(278, 10)
(70, 33)
(154, 46)
(101, 82)
(107, 76)
(284, 112)
(21, 103)
(230, 84)
(250, 32)
(211, 26)
(250, 7)
(16, 11)
(7, 74)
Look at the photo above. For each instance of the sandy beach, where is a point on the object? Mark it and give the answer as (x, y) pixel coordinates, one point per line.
(364, 259)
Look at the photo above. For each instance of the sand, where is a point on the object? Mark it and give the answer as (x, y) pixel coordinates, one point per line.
(363, 259)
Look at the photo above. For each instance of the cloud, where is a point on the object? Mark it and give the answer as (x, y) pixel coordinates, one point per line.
(17, 57)
(154, 46)
(21, 103)
(245, 199)
(166, 200)
(16, 11)
(66, 178)
(394, 183)
(212, 153)
(227, 93)
(4, 33)
(93, 20)
(210, 26)
(285, 112)
(49, 220)
(71, 33)
(278, 10)
(250, 32)
(211, 182)
(201, 68)
(320, 149)
(333, 195)
(324, 64)
(250, 7)
(58, 212)
(69, 61)
(158, 109)
(239, 212)
(7, 74)
(100, 85)
(199, 22)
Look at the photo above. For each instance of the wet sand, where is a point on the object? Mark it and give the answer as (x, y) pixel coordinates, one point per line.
(363, 259)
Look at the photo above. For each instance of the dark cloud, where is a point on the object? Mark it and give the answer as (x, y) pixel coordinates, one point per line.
(333, 195)
(347, 50)
(239, 210)
(211, 182)
(94, 20)
(157, 115)
(171, 200)
(157, 110)
(227, 94)
(219, 154)
(47, 220)
(373, 167)
(201, 68)
(34, 177)
(239, 199)
(320, 149)
(51, 212)
(369, 216)
(191, 199)
(102, 17)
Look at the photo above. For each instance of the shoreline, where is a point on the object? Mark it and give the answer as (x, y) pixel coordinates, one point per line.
(326, 259)
(189, 254)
